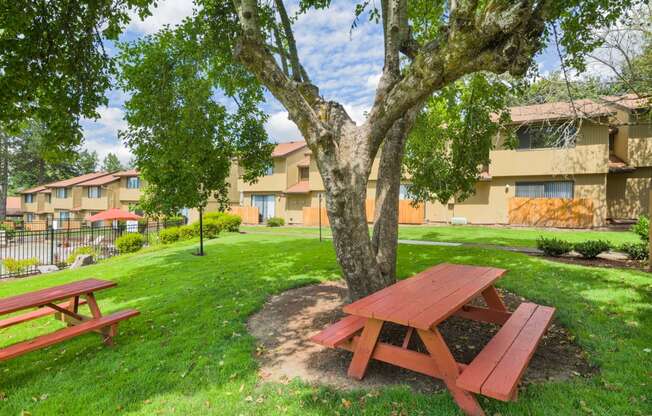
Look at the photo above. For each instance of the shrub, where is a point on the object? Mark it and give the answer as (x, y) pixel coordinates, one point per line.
(642, 228)
(590, 249)
(169, 235)
(187, 232)
(212, 227)
(230, 222)
(19, 266)
(553, 247)
(275, 222)
(636, 251)
(79, 251)
(129, 243)
(10, 231)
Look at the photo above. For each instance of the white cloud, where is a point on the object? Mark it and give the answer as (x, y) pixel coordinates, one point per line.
(373, 80)
(101, 135)
(281, 129)
(356, 112)
(167, 12)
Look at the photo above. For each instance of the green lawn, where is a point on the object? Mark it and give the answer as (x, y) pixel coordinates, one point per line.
(189, 352)
(517, 237)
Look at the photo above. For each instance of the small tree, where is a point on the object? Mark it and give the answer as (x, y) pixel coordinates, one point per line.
(182, 138)
(111, 163)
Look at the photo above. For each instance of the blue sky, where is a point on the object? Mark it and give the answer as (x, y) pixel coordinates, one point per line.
(345, 64)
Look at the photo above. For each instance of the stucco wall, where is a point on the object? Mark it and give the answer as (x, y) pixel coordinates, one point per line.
(627, 193)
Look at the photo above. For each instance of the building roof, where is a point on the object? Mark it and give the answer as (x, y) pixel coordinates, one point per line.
(618, 165)
(33, 190)
(76, 180)
(284, 149)
(13, 206)
(304, 163)
(130, 172)
(558, 111)
(102, 180)
(302, 187)
(628, 101)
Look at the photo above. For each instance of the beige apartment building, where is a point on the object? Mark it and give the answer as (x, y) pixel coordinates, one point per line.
(76, 198)
(602, 172)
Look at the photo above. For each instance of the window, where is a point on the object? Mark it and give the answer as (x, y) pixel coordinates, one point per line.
(546, 137)
(559, 189)
(94, 192)
(62, 193)
(48, 198)
(29, 198)
(133, 182)
(29, 217)
(269, 171)
(64, 215)
(304, 174)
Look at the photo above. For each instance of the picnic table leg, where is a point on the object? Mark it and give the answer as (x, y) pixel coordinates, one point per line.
(107, 333)
(493, 299)
(365, 348)
(450, 370)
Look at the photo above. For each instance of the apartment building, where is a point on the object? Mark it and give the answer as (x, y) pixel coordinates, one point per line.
(602, 171)
(76, 198)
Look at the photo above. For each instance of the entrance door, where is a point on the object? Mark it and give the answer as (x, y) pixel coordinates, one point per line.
(265, 205)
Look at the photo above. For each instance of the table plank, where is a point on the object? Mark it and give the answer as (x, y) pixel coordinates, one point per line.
(439, 311)
(52, 294)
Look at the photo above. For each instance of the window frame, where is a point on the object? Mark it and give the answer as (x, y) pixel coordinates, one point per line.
(545, 193)
(91, 195)
(65, 193)
(130, 183)
(529, 128)
(29, 198)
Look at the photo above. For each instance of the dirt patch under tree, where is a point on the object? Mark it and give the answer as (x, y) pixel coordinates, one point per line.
(285, 324)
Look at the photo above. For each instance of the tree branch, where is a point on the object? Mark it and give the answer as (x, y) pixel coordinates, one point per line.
(289, 37)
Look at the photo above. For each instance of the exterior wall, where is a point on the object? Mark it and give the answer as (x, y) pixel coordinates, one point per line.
(590, 155)
(490, 204)
(127, 194)
(62, 203)
(276, 182)
(294, 210)
(621, 140)
(640, 142)
(627, 193)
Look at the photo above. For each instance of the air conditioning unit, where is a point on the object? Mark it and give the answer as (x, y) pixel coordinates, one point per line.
(459, 221)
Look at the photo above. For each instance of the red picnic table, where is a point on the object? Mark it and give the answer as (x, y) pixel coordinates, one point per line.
(46, 302)
(420, 304)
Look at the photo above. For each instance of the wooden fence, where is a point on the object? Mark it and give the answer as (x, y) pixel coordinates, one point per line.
(249, 215)
(407, 214)
(551, 212)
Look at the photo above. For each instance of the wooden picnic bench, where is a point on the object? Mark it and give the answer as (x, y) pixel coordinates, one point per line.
(48, 302)
(420, 304)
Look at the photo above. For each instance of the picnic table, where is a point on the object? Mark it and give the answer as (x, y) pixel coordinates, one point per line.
(423, 302)
(75, 295)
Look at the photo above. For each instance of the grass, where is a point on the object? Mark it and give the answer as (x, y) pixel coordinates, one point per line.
(475, 234)
(189, 352)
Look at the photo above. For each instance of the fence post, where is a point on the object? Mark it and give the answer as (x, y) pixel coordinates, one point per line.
(51, 230)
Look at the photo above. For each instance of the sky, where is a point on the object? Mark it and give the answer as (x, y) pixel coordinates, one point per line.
(345, 64)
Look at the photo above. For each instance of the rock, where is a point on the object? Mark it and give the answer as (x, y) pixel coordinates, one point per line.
(47, 268)
(82, 260)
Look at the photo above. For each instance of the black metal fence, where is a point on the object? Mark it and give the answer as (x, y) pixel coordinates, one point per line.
(30, 247)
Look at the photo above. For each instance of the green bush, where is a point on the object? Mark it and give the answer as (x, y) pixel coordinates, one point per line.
(129, 243)
(230, 222)
(187, 232)
(636, 251)
(168, 235)
(80, 251)
(642, 228)
(10, 231)
(212, 227)
(275, 222)
(590, 249)
(19, 266)
(553, 247)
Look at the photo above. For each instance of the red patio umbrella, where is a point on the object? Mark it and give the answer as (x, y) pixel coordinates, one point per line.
(114, 214)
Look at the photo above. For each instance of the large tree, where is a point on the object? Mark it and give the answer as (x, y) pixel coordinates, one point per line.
(111, 163)
(428, 46)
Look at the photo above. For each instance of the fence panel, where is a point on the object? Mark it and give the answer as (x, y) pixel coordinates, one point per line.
(407, 214)
(29, 245)
(551, 212)
(249, 215)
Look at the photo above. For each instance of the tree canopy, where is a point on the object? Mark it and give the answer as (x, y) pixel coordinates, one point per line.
(111, 163)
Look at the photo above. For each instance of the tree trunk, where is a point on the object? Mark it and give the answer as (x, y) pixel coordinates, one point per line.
(4, 174)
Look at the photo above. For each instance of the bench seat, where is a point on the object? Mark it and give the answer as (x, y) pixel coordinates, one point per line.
(38, 313)
(497, 369)
(64, 334)
(339, 332)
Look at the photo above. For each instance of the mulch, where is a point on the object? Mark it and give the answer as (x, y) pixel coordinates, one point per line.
(286, 322)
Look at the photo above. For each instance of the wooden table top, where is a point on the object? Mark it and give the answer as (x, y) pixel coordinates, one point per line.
(429, 297)
(52, 294)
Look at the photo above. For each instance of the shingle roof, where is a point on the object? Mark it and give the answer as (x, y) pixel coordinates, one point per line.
(102, 180)
(76, 180)
(558, 110)
(628, 101)
(305, 162)
(302, 187)
(616, 164)
(13, 206)
(283, 149)
(130, 172)
(33, 190)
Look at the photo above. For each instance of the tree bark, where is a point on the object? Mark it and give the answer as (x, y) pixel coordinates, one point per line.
(4, 174)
